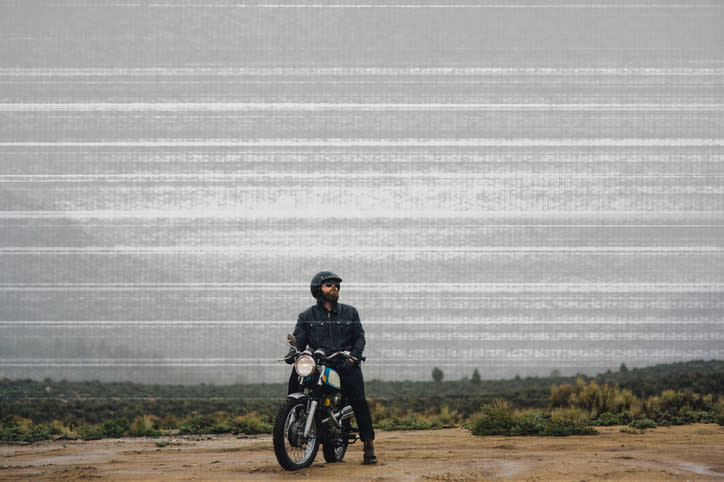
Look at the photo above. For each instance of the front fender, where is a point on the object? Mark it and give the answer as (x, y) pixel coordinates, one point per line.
(298, 396)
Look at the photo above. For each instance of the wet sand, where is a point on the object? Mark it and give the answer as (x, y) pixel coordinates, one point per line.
(692, 452)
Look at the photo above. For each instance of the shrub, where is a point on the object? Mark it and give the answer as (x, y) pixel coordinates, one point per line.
(64, 431)
(606, 404)
(607, 419)
(495, 419)
(146, 426)
(561, 395)
(567, 422)
(17, 429)
(719, 418)
(168, 422)
(205, 424)
(410, 421)
(448, 418)
(90, 432)
(530, 423)
(499, 418)
(196, 424)
(251, 423)
(115, 428)
(643, 423)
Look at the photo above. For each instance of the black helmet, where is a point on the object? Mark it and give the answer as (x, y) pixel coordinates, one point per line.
(316, 285)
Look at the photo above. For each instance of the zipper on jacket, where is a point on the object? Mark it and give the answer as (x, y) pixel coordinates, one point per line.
(329, 324)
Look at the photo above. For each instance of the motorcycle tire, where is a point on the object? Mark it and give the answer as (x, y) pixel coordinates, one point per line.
(335, 450)
(292, 450)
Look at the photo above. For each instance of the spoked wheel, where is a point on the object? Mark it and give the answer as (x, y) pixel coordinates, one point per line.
(292, 449)
(334, 450)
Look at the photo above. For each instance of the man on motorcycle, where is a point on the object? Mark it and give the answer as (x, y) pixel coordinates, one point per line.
(333, 326)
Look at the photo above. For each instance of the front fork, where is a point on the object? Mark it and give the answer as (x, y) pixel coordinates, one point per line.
(310, 417)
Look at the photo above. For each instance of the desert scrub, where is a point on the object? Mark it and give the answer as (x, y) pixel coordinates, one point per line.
(448, 418)
(146, 426)
(116, 428)
(496, 418)
(607, 419)
(64, 431)
(500, 418)
(204, 424)
(643, 423)
(250, 424)
(410, 421)
(17, 429)
(596, 399)
(719, 418)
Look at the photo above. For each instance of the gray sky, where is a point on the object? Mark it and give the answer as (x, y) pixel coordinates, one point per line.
(512, 187)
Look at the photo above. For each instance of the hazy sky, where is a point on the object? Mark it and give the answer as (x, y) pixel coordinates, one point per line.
(512, 187)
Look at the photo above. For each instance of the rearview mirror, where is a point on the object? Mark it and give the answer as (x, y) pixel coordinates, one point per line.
(290, 340)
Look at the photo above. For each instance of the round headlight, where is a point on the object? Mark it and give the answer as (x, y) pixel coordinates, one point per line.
(304, 365)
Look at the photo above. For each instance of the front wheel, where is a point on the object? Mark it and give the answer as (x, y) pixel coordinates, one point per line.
(334, 450)
(292, 449)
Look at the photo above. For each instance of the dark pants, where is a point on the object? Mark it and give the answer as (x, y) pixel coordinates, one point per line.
(353, 390)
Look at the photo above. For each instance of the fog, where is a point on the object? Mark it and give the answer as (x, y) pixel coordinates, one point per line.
(510, 187)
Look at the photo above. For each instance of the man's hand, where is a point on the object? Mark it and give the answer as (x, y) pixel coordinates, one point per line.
(289, 359)
(348, 365)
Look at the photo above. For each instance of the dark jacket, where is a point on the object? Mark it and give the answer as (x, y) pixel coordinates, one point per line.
(336, 330)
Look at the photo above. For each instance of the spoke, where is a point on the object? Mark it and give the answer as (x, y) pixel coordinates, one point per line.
(298, 454)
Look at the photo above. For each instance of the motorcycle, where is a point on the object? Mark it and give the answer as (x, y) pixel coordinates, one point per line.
(318, 414)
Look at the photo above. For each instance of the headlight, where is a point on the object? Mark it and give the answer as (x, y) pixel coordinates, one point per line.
(304, 366)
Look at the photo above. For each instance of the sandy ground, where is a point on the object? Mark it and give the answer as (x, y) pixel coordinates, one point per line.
(675, 453)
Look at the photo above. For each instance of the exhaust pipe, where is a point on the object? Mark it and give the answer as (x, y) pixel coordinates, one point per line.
(340, 416)
(346, 413)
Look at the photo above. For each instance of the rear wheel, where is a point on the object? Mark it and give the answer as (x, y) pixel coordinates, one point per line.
(292, 449)
(334, 450)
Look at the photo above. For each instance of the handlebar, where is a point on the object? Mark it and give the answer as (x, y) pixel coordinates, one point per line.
(330, 357)
(346, 354)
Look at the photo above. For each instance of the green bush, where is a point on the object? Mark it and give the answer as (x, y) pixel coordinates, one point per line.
(197, 424)
(90, 432)
(495, 419)
(563, 422)
(530, 423)
(643, 423)
(17, 429)
(146, 426)
(500, 418)
(607, 419)
(115, 428)
(410, 421)
(719, 418)
(251, 423)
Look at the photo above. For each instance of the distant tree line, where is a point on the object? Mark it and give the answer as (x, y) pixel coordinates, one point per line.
(673, 393)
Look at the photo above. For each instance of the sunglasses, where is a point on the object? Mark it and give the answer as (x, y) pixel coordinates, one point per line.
(329, 284)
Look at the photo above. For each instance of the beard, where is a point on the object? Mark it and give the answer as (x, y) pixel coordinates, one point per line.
(332, 296)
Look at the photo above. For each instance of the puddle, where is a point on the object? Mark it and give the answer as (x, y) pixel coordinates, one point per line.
(699, 469)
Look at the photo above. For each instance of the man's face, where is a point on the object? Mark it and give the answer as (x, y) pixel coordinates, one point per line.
(330, 290)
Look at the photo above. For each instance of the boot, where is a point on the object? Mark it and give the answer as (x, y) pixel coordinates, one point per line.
(369, 453)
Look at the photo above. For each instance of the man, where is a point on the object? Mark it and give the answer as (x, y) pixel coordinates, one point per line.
(332, 326)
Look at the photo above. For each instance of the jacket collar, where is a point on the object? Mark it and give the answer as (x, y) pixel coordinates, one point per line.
(335, 307)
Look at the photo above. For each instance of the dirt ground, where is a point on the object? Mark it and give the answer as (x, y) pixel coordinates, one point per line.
(691, 452)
